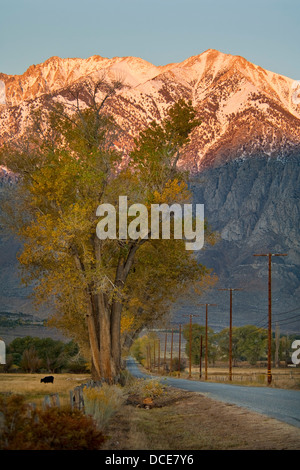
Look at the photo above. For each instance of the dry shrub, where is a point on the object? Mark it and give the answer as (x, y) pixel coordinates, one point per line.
(147, 388)
(52, 429)
(103, 402)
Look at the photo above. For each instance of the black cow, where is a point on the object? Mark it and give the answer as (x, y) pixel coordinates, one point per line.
(48, 379)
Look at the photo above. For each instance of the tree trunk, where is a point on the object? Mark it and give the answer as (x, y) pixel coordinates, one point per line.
(122, 272)
(108, 368)
(116, 335)
(94, 344)
(104, 323)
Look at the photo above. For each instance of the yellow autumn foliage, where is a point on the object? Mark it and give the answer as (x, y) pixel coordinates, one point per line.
(103, 402)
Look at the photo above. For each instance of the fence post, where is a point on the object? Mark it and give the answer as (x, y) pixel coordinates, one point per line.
(76, 398)
(51, 400)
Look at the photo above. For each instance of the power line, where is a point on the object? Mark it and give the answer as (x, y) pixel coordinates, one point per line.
(289, 320)
(269, 255)
(206, 335)
(190, 352)
(288, 311)
(230, 331)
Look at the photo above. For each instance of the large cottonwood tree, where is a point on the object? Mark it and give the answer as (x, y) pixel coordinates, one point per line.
(68, 164)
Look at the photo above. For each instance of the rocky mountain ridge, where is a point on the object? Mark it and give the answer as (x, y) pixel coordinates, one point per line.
(244, 109)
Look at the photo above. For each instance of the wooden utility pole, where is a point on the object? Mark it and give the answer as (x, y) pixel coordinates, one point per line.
(230, 332)
(206, 335)
(269, 255)
(158, 355)
(277, 338)
(171, 361)
(200, 359)
(190, 351)
(165, 354)
(179, 351)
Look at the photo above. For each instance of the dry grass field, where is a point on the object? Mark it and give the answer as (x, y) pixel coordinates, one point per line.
(34, 391)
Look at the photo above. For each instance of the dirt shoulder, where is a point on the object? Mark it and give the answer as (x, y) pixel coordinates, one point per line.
(191, 421)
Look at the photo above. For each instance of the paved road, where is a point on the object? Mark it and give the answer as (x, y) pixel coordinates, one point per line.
(280, 404)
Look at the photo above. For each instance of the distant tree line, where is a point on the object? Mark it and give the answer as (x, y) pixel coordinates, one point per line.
(32, 355)
(12, 320)
(249, 344)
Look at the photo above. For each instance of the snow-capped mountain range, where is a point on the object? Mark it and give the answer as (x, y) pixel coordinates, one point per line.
(244, 109)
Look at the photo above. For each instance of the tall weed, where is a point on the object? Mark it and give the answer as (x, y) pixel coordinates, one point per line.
(103, 402)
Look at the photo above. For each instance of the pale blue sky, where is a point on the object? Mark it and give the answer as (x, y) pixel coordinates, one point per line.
(265, 32)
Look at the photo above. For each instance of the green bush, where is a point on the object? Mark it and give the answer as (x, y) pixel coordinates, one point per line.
(175, 364)
(33, 354)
